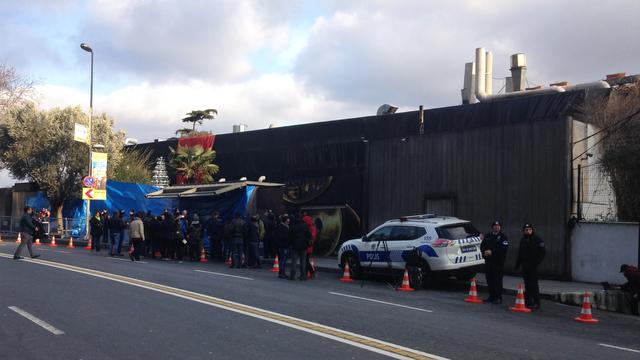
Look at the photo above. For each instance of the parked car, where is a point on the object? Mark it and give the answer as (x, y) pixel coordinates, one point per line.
(438, 246)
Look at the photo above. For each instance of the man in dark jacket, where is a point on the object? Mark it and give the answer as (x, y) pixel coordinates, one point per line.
(252, 239)
(300, 239)
(97, 230)
(116, 228)
(530, 255)
(216, 233)
(494, 248)
(283, 242)
(238, 232)
(27, 229)
(632, 286)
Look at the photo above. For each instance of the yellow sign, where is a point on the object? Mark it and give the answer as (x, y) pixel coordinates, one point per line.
(99, 170)
(93, 194)
(80, 133)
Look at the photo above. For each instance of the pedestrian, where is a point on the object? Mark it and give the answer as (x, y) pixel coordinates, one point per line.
(252, 238)
(181, 226)
(530, 255)
(216, 233)
(300, 240)
(238, 232)
(314, 233)
(632, 286)
(106, 219)
(494, 248)
(115, 228)
(124, 227)
(136, 237)
(269, 245)
(27, 229)
(96, 230)
(283, 242)
(194, 237)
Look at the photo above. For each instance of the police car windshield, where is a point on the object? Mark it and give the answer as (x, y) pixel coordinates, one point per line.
(457, 231)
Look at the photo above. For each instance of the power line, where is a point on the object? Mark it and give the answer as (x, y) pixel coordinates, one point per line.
(604, 129)
(621, 124)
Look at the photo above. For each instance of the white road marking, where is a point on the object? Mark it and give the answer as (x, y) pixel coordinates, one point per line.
(37, 321)
(61, 251)
(129, 260)
(221, 274)
(620, 348)
(346, 337)
(380, 302)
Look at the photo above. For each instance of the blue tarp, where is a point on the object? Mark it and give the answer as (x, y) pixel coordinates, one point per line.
(126, 196)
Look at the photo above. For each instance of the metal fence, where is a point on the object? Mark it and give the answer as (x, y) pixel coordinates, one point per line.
(70, 226)
(594, 198)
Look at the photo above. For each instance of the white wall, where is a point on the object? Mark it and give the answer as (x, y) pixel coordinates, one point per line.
(598, 249)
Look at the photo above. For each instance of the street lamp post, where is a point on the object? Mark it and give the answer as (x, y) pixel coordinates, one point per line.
(88, 49)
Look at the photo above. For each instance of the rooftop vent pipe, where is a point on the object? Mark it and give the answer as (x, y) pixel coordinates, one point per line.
(519, 71)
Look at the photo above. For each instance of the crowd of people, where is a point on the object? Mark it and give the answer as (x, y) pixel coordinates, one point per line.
(179, 236)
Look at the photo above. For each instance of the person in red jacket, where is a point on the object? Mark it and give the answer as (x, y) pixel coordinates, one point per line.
(314, 233)
(632, 286)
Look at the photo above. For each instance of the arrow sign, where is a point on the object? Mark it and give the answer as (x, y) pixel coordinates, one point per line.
(87, 194)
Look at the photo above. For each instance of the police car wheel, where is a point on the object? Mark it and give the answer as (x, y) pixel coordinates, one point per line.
(354, 266)
(426, 276)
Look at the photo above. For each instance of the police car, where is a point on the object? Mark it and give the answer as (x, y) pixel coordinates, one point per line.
(438, 246)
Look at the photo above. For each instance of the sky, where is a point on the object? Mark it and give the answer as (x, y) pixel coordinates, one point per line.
(286, 62)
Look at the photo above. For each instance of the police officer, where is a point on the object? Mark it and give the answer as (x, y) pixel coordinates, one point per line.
(494, 248)
(530, 255)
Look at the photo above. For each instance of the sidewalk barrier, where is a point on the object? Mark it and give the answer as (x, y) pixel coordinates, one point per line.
(53, 241)
(19, 239)
(519, 306)
(473, 293)
(203, 256)
(70, 244)
(346, 275)
(585, 312)
(405, 282)
(89, 246)
(276, 265)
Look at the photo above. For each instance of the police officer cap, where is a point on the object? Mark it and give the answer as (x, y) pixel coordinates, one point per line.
(527, 226)
(624, 268)
(496, 222)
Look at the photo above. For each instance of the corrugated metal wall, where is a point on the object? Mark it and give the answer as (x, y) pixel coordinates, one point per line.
(515, 172)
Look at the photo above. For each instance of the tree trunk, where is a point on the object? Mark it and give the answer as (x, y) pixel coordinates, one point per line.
(58, 213)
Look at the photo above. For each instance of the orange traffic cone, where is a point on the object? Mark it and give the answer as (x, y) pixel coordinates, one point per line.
(276, 265)
(19, 239)
(53, 241)
(585, 313)
(405, 282)
(346, 275)
(0, 237)
(157, 254)
(89, 246)
(203, 256)
(37, 243)
(473, 293)
(229, 260)
(70, 244)
(313, 268)
(519, 306)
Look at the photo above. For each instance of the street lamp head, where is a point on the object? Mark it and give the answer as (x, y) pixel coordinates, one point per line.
(86, 47)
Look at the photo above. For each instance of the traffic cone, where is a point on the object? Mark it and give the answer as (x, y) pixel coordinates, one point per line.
(473, 293)
(53, 241)
(519, 306)
(157, 254)
(405, 282)
(276, 265)
(0, 237)
(313, 267)
(37, 243)
(203, 256)
(89, 246)
(229, 260)
(346, 275)
(585, 313)
(19, 239)
(70, 244)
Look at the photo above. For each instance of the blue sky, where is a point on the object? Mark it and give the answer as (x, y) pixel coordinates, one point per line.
(288, 62)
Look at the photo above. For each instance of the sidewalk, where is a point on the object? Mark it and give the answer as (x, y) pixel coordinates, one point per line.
(566, 292)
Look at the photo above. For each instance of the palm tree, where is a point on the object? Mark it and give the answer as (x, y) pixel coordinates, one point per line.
(198, 116)
(194, 163)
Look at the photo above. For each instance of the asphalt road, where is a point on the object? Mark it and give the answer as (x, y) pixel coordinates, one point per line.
(96, 307)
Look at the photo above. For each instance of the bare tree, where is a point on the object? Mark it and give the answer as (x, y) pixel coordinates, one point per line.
(14, 89)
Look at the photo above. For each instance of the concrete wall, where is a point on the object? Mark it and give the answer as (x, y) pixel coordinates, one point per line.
(598, 249)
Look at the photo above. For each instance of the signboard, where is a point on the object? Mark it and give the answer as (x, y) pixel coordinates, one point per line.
(99, 174)
(80, 133)
(93, 194)
(88, 181)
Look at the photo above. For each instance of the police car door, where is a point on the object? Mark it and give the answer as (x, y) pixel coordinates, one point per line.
(405, 238)
(373, 251)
